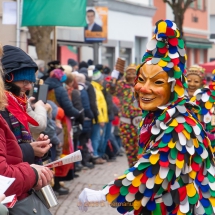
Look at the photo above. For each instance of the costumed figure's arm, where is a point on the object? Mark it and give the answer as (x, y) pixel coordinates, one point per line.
(170, 174)
(205, 99)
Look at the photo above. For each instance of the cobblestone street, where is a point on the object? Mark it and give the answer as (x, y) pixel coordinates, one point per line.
(95, 179)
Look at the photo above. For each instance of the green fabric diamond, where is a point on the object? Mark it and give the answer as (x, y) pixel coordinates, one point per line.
(143, 166)
(187, 127)
(180, 43)
(173, 153)
(193, 200)
(124, 190)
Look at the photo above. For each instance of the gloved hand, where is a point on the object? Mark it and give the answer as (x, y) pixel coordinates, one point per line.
(130, 213)
(87, 196)
(115, 74)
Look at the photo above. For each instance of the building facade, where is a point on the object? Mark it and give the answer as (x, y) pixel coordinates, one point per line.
(129, 29)
(196, 28)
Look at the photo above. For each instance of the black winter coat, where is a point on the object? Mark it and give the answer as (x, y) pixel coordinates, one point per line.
(76, 100)
(92, 98)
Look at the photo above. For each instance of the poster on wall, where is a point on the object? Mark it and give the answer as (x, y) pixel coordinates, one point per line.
(96, 28)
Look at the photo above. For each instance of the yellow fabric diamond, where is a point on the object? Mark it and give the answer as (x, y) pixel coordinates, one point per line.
(162, 27)
(179, 90)
(162, 63)
(191, 190)
(208, 105)
(154, 159)
(136, 182)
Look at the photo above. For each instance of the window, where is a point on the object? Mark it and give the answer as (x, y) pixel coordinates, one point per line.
(199, 5)
(108, 56)
(192, 5)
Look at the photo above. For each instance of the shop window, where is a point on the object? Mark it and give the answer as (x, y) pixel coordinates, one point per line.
(108, 56)
(125, 53)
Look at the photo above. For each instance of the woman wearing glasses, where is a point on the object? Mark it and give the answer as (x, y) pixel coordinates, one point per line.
(19, 70)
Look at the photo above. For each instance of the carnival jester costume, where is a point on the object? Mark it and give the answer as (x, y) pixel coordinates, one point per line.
(205, 98)
(175, 171)
(130, 116)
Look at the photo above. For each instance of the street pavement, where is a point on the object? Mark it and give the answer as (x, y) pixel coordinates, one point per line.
(95, 179)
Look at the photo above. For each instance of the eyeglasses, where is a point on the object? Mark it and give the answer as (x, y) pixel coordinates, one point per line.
(26, 83)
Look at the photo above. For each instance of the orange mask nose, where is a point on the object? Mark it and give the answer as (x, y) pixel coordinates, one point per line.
(139, 88)
(145, 90)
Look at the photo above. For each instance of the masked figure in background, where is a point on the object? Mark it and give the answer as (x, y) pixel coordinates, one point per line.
(195, 77)
(205, 98)
(175, 170)
(130, 115)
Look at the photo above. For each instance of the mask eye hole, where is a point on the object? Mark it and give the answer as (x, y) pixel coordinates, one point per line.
(140, 79)
(159, 82)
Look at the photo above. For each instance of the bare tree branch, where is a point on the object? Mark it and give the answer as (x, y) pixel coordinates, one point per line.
(168, 2)
(179, 8)
(187, 4)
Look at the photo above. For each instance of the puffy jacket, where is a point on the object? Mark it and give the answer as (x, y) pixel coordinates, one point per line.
(76, 100)
(12, 165)
(85, 101)
(62, 97)
(27, 150)
(101, 102)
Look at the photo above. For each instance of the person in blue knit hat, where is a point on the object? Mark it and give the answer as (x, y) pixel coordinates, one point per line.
(19, 70)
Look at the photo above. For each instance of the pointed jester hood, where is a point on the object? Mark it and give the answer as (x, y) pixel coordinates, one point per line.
(166, 49)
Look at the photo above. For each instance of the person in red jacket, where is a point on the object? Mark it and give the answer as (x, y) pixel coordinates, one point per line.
(11, 159)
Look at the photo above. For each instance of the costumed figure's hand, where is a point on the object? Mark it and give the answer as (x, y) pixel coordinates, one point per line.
(2, 197)
(130, 213)
(115, 74)
(87, 196)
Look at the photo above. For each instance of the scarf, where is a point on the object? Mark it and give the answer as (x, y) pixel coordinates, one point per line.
(19, 120)
(18, 110)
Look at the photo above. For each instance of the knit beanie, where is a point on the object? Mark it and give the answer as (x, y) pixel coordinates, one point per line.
(23, 74)
(84, 71)
(90, 62)
(72, 62)
(15, 59)
(83, 64)
(58, 74)
(97, 76)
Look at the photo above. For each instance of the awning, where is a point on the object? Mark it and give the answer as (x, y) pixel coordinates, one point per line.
(198, 43)
(209, 67)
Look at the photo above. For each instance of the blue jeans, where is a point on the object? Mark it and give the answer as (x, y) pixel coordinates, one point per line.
(105, 137)
(95, 138)
(115, 144)
(118, 139)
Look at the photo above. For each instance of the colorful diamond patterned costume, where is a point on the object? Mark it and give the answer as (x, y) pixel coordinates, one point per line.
(205, 98)
(175, 171)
